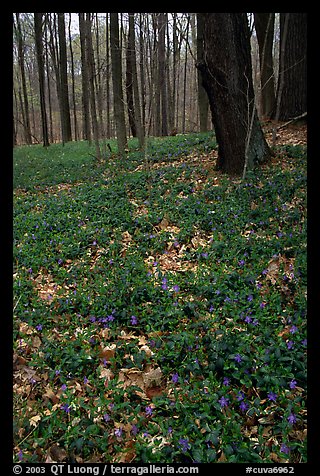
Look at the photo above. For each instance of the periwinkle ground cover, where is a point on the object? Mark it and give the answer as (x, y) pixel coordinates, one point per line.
(121, 271)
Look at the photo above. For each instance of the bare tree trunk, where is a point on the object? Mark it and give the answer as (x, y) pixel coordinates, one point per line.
(86, 130)
(75, 122)
(292, 83)
(25, 104)
(142, 74)
(162, 77)
(137, 107)
(129, 87)
(227, 78)
(264, 25)
(91, 73)
(203, 103)
(117, 84)
(65, 107)
(39, 50)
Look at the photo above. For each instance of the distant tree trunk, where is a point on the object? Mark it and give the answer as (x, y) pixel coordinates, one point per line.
(136, 95)
(162, 77)
(227, 77)
(142, 74)
(264, 25)
(91, 76)
(203, 102)
(65, 109)
(24, 104)
(107, 78)
(49, 86)
(117, 84)
(39, 51)
(129, 87)
(86, 130)
(292, 82)
(75, 122)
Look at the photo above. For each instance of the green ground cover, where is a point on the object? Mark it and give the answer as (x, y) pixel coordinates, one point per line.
(160, 308)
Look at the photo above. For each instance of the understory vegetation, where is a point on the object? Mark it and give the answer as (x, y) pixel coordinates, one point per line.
(159, 305)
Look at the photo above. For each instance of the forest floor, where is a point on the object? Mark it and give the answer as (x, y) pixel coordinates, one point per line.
(160, 306)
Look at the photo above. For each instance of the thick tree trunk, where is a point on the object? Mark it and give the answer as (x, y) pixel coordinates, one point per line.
(227, 77)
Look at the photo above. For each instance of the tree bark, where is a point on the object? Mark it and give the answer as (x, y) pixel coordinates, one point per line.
(162, 77)
(86, 130)
(227, 77)
(136, 95)
(117, 84)
(91, 76)
(25, 104)
(292, 83)
(64, 91)
(39, 51)
(264, 25)
(203, 102)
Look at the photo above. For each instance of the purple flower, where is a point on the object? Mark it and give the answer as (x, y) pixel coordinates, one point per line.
(292, 418)
(134, 429)
(85, 380)
(39, 327)
(284, 448)
(184, 444)
(238, 358)
(240, 396)
(241, 262)
(63, 387)
(106, 417)
(164, 284)
(60, 261)
(149, 410)
(134, 320)
(20, 455)
(66, 408)
(175, 378)
(244, 406)
(293, 384)
(290, 344)
(250, 298)
(272, 396)
(224, 401)
(118, 432)
(293, 329)
(226, 381)
(176, 288)
(30, 270)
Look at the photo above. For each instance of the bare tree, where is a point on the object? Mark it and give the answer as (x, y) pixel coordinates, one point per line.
(38, 23)
(227, 77)
(117, 84)
(86, 130)
(134, 76)
(64, 89)
(264, 26)
(292, 82)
